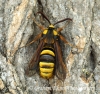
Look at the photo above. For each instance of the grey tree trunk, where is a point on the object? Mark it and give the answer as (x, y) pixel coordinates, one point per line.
(17, 29)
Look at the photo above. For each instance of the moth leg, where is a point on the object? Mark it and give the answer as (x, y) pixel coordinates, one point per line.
(65, 41)
(35, 39)
(39, 25)
(61, 28)
(39, 35)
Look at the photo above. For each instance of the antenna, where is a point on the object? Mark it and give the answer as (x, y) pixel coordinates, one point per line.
(43, 15)
(62, 21)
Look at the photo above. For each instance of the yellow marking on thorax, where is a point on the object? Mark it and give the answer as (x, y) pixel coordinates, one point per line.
(47, 52)
(55, 32)
(49, 64)
(45, 32)
(52, 26)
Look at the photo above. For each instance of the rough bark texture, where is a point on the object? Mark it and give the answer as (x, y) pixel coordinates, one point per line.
(17, 29)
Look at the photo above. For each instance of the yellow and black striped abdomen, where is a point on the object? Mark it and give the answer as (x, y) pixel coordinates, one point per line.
(46, 64)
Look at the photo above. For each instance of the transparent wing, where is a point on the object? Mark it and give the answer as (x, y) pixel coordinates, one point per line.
(61, 68)
(33, 64)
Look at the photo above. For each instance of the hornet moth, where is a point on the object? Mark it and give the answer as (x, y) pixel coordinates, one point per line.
(47, 59)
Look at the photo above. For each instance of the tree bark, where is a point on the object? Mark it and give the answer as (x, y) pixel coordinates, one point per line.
(17, 29)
